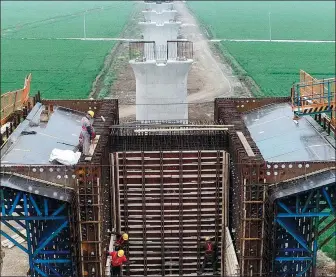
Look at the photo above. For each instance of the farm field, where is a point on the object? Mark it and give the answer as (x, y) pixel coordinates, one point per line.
(273, 66)
(60, 68)
(330, 247)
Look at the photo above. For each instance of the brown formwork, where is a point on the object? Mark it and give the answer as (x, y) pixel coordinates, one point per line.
(94, 195)
(250, 178)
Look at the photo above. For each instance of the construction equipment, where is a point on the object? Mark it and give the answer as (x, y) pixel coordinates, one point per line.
(312, 96)
(14, 100)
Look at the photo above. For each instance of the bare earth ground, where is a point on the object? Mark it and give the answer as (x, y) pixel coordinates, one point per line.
(15, 262)
(208, 78)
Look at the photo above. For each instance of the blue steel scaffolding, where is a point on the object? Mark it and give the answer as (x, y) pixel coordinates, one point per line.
(297, 224)
(46, 222)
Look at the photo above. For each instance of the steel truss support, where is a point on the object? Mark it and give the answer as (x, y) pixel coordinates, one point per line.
(297, 230)
(46, 222)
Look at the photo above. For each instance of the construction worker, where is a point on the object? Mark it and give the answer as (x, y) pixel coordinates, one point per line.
(121, 241)
(117, 260)
(87, 134)
(210, 255)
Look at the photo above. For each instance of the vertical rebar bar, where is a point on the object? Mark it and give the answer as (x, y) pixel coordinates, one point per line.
(180, 213)
(163, 272)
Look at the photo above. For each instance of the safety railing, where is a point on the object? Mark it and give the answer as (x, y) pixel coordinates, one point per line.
(312, 96)
(141, 51)
(14, 100)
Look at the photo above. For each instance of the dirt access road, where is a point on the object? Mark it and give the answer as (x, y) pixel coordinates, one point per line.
(208, 78)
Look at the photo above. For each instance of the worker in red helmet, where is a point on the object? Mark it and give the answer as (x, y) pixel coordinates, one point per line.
(210, 255)
(117, 260)
(87, 134)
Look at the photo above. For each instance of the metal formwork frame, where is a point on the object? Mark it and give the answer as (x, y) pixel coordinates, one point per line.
(297, 232)
(47, 232)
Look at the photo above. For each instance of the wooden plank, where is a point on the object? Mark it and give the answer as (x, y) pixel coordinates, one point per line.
(92, 148)
(246, 145)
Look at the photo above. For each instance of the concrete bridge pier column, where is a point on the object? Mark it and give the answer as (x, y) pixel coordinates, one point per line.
(159, 7)
(161, 90)
(160, 34)
(159, 17)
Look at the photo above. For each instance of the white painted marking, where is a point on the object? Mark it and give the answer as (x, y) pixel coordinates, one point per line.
(267, 121)
(275, 40)
(317, 156)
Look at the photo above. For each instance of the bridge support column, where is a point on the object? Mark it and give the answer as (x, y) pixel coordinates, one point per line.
(159, 17)
(161, 90)
(160, 33)
(159, 8)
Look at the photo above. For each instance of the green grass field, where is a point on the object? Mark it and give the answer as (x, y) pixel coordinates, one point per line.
(307, 20)
(60, 68)
(273, 66)
(330, 247)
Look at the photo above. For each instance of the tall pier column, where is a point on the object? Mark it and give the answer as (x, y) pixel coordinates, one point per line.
(159, 17)
(161, 90)
(160, 33)
(161, 64)
(159, 7)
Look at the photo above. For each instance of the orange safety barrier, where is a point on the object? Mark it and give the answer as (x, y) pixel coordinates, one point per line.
(14, 100)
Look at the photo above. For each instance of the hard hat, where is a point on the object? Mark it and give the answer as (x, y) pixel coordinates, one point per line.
(207, 238)
(120, 253)
(91, 113)
(125, 236)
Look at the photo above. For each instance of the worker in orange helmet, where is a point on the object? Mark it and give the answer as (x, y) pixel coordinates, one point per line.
(87, 134)
(118, 258)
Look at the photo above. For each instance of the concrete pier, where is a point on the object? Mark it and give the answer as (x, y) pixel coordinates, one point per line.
(159, 17)
(161, 65)
(160, 33)
(159, 7)
(161, 90)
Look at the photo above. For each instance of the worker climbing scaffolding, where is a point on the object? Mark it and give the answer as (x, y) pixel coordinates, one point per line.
(118, 259)
(121, 242)
(87, 134)
(210, 255)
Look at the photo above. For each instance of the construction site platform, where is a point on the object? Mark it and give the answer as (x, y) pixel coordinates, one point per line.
(61, 131)
(280, 138)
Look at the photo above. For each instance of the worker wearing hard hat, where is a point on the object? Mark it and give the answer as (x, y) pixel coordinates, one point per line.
(210, 255)
(121, 241)
(117, 260)
(87, 134)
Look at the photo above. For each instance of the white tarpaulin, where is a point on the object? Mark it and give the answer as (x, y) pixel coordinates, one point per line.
(66, 157)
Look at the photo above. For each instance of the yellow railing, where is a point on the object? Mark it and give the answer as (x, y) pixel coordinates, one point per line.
(14, 100)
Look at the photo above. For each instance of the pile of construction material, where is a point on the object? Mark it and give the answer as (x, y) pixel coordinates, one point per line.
(19, 239)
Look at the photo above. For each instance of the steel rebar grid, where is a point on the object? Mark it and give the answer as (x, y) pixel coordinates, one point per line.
(180, 214)
(163, 271)
(199, 199)
(144, 224)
